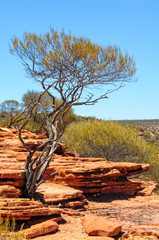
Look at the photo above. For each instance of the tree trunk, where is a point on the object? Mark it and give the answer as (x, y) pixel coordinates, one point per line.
(29, 186)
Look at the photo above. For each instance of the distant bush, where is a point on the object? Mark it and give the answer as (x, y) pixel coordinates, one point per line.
(110, 140)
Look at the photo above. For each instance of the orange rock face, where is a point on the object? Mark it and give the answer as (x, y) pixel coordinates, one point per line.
(136, 214)
(75, 176)
(9, 191)
(24, 209)
(100, 226)
(97, 175)
(90, 175)
(41, 229)
(52, 193)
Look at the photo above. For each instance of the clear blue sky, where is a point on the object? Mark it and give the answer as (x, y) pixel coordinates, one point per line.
(131, 24)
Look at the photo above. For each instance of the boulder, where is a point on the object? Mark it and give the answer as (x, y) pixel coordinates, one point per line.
(100, 226)
(72, 230)
(41, 229)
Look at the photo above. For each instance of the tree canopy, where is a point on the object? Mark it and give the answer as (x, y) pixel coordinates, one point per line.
(71, 66)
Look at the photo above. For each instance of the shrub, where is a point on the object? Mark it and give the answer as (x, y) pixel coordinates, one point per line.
(7, 230)
(109, 140)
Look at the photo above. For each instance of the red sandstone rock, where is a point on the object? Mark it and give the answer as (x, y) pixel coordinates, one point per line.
(138, 214)
(41, 229)
(148, 187)
(96, 175)
(140, 235)
(100, 226)
(72, 230)
(12, 174)
(13, 178)
(52, 193)
(58, 192)
(90, 175)
(23, 209)
(35, 220)
(9, 191)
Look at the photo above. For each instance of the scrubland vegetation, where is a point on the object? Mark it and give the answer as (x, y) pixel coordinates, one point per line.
(113, 141)
(13, 113)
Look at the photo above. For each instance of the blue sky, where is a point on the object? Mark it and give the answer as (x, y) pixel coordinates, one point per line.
(133, 25)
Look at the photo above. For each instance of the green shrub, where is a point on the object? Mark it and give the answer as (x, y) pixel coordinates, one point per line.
(111, 140)
(7, 230)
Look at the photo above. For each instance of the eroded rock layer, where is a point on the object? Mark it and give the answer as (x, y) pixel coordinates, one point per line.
(75, 176)
(24, 209)
(90, 175)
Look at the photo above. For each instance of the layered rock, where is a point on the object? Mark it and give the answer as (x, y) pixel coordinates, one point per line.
(9, 191)
(57, 194)
(90, 175)
(97, 175)
(84, 175)
(24, 209)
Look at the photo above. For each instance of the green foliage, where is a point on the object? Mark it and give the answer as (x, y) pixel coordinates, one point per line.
(38, 121)
(66, 62)
(109, 140)
(9, 106)
(11, 113)
(8, 109)
(58, 48)
(7, 230)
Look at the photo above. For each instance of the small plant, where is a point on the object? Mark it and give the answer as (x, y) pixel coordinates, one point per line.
(7, 230)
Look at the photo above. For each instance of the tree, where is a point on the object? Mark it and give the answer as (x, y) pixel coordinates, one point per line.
(109, 140)
(38, 121)
(76, 71)
(12, 111)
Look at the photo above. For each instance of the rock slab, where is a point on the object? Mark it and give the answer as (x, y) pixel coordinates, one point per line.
(41, 229)
(100, 226)
(24, 209)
